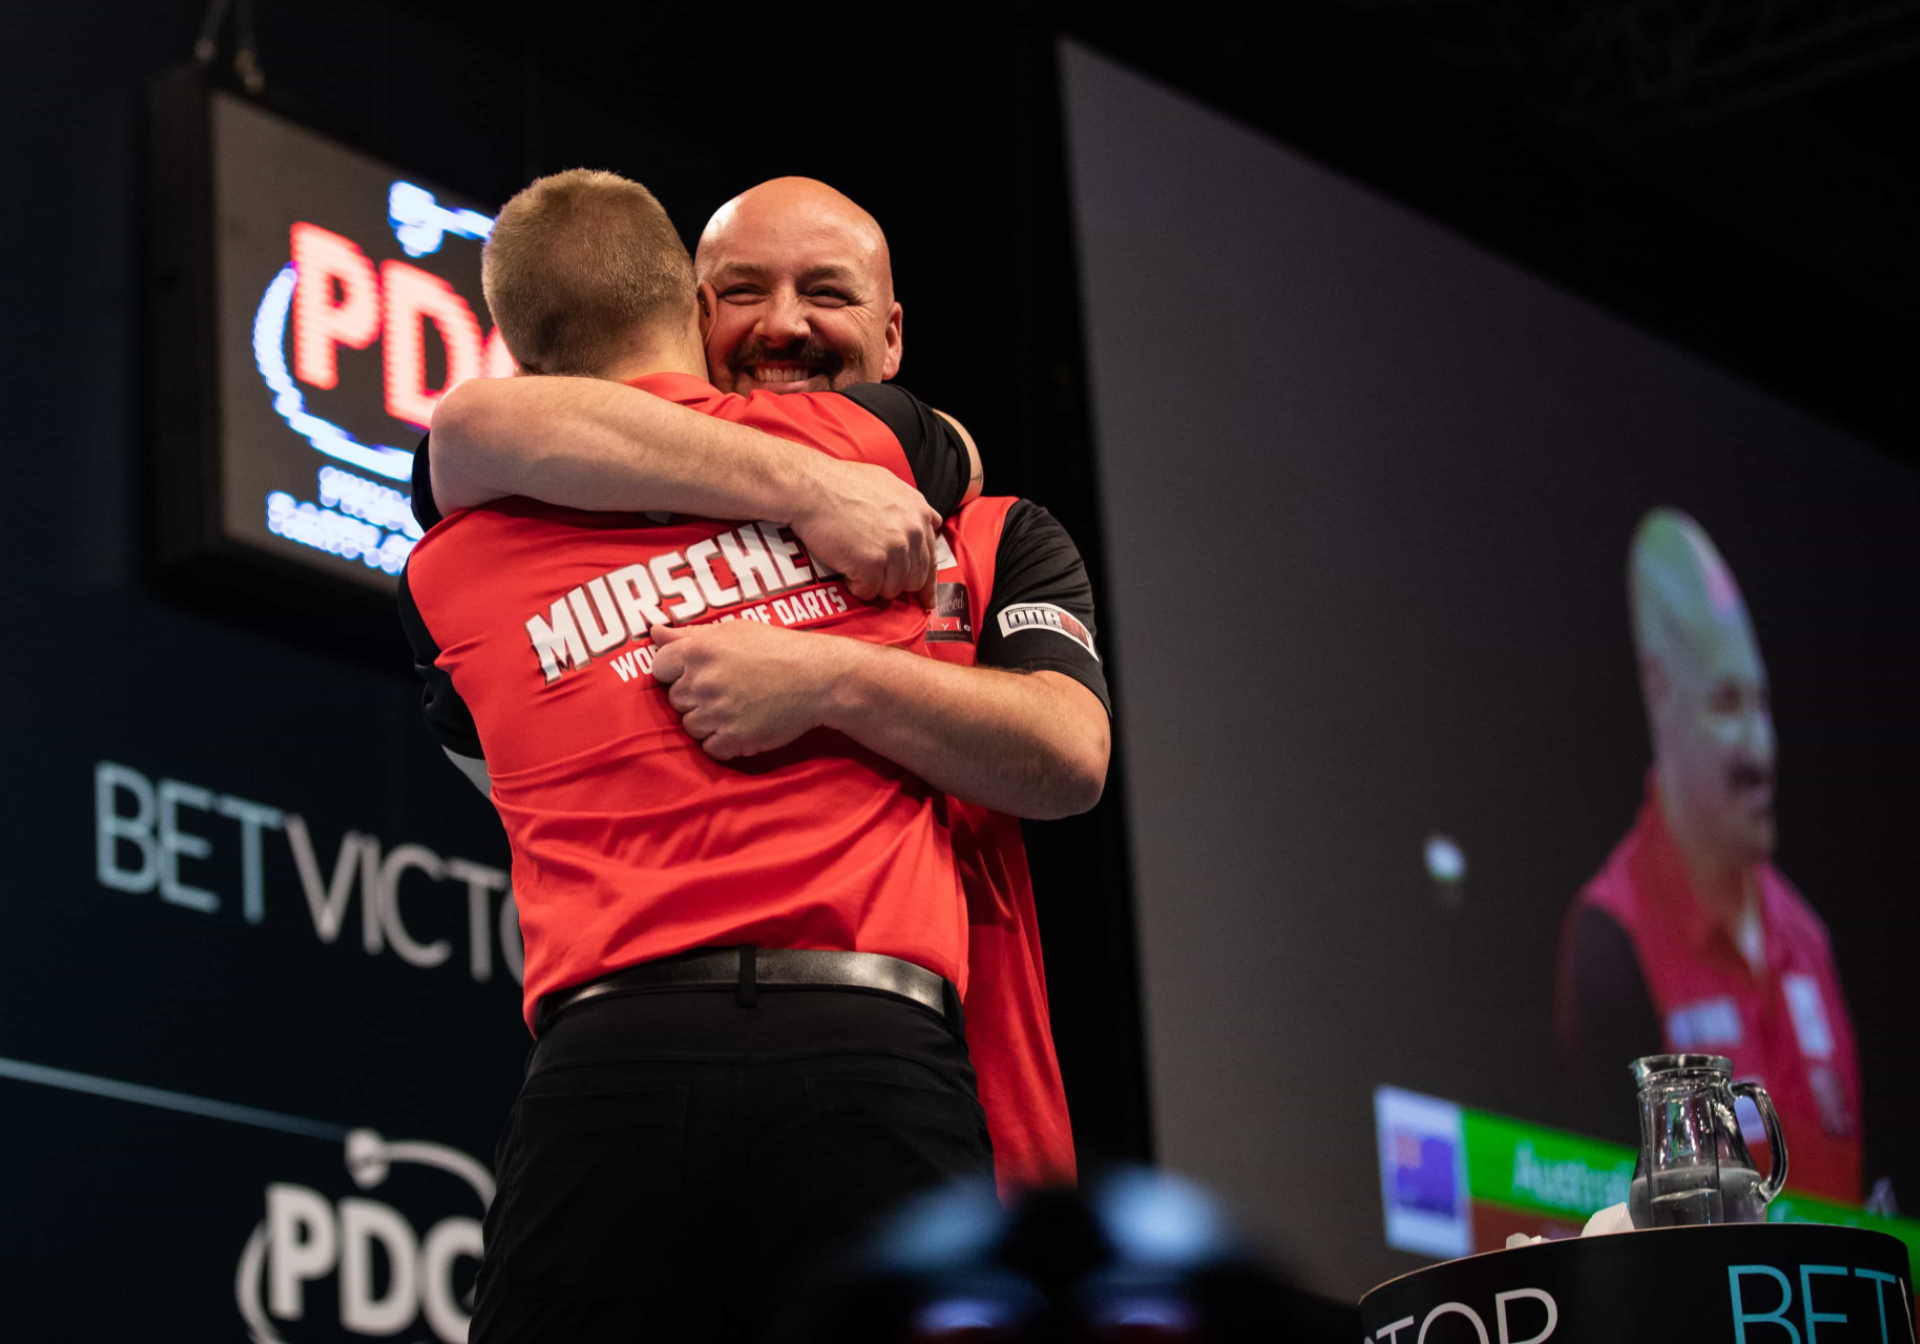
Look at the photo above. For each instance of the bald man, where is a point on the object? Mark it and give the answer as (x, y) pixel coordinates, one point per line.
(799, 280)
(1011, 720)
(1689, 939)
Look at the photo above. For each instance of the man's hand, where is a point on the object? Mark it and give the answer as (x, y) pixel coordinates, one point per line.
(877, 531)
(745, 687)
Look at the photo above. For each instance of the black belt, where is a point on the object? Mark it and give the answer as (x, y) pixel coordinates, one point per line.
(749, 969)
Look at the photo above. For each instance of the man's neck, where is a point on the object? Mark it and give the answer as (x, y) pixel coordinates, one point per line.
(1725, 889)
(676, 358)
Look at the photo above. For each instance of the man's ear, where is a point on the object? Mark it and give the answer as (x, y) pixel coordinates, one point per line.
(707, 298)
(890, 363)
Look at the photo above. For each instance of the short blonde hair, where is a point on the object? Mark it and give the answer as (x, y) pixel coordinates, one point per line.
(580, 264)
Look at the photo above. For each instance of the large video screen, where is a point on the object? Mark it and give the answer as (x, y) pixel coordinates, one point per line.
(348, 303)
(1503, 693)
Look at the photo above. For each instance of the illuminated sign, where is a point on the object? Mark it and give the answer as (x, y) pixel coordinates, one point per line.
(341, 302)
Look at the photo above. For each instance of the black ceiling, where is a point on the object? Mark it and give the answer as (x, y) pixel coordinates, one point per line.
(1740, 175)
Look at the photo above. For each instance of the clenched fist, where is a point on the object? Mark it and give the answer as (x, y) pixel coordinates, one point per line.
(877, 531)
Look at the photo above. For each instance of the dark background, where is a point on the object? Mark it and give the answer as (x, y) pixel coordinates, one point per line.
(1749, 191)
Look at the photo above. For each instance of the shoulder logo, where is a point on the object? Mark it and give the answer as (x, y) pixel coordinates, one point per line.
(1809, 1011)
(1045, 616)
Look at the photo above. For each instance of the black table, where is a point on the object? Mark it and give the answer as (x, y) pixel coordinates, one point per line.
(1765, 1283)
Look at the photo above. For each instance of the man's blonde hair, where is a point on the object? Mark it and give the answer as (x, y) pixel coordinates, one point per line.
(580, 266)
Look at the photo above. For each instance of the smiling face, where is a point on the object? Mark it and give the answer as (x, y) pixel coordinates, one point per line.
(1706, 692)
(797, 291)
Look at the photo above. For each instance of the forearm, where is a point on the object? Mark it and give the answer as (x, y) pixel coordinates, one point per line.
(1029, 744)
(585, 443)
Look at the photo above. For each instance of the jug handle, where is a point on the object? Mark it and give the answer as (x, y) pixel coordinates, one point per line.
(1776, 1140)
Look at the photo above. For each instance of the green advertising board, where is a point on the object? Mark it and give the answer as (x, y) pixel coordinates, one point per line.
(1566, 1177)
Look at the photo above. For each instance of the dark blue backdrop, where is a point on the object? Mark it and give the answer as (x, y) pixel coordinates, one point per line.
(185, 1067)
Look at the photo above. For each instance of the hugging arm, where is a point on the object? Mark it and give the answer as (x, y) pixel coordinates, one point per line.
(1031, 744)
(591, 444)
(1026, 732)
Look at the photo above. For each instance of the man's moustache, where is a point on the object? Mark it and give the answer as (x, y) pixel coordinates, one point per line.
(808, 354)
(1745, 776)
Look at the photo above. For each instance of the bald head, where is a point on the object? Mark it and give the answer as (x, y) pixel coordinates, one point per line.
(796, 214)
(1685, 601)
(797, 284)
(1705, 688)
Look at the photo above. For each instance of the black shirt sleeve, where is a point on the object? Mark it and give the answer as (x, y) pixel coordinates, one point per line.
(425, 511)
(935, 451)
(447, 715)
(1039, 616)
(1610, 1023)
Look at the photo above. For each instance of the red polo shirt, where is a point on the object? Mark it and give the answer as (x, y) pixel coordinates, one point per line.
(629, 842)
(1786, 1027)
(1012, 594)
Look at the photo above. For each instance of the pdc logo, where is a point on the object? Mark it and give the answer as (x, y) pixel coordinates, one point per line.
(330, 300)
(341, 299)
(382, 1270)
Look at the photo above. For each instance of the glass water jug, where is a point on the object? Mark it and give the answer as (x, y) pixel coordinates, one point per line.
(1694, 1166)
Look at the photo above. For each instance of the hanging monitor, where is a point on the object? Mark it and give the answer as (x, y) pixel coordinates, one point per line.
(312, 305)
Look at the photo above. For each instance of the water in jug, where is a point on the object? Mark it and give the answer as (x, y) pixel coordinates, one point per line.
(1694, 1166)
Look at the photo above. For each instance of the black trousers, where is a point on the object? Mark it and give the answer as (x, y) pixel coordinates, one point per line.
(676, 1160)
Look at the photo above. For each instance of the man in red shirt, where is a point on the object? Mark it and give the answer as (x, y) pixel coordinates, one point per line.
(1689, 939)
(669, 1154)
(799, 295)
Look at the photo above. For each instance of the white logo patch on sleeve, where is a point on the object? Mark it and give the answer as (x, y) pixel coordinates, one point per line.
(1046, 616)
(1809, 1012)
